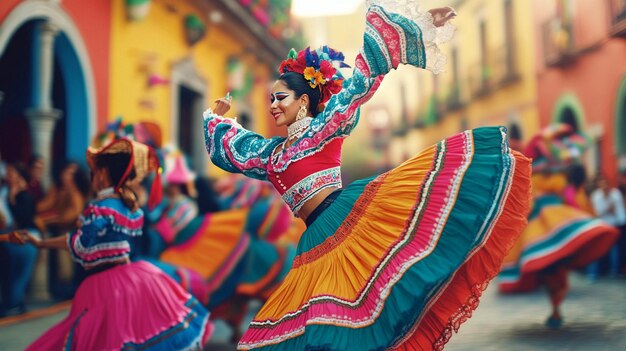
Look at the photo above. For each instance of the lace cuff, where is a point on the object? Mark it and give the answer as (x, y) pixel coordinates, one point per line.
(432, 36)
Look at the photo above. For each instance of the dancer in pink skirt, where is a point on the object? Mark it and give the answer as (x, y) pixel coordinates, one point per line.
(120, 305)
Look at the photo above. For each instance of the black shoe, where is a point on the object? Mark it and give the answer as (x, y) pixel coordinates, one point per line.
(554, 322)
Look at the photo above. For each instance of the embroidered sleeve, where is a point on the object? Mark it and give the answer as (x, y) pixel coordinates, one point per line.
(398, 33)
(235, 149)
(175, 219)
(103, 236)
(390, 39)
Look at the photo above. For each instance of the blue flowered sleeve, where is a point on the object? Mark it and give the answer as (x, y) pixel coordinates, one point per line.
(236, 149)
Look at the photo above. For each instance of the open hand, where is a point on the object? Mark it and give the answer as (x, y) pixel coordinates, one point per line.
(441, 15)
(222, 105)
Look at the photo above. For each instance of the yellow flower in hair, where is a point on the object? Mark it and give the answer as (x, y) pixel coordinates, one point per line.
(313, 77)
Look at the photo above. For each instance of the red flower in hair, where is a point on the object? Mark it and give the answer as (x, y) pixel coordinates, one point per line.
(298, 66)
(327, 69)
(285, 66)
(336, 86)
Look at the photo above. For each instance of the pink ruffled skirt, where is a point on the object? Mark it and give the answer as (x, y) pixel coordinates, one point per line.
(130, 307)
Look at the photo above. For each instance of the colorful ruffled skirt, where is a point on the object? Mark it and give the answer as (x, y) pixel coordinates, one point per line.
(270, 218)
(400, 260)
(557, 234)
(208, 250)
(130, 307)
(217, 256)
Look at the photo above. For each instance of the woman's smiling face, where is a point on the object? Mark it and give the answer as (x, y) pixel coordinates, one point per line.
(284, 104)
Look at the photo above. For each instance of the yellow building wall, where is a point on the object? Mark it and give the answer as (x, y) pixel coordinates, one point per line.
(409, 90)
(360, 157)
(158, 42)
(515, 102)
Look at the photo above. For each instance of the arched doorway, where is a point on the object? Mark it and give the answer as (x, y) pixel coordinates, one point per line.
(568, 116)
(189, 94)
(569, 110)
(16, 77)
(78, 126)
(70, 85)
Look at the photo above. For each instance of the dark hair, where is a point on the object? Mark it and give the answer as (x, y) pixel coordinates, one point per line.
(183, 188)
(116, 165)
(21, 169)
(296, 82)
(599, 178)
(33, 159)
(208, 199)
(81, 179)
(576, 175)
(57, 170)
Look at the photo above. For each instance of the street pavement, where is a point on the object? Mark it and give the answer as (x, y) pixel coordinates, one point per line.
(594, 316)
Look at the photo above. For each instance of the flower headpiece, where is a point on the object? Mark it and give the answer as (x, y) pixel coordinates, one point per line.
(144, 138)
(145, 132)
(319, 68)
(143, 160)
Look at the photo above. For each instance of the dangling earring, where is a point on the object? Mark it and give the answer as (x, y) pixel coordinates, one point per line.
(301, 113)
(299, 126)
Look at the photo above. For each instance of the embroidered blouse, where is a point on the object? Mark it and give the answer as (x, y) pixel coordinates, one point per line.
(107, 225)
(312, 162)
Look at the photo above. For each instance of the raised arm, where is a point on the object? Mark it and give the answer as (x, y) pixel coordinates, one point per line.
(236, 149)
(390, 39)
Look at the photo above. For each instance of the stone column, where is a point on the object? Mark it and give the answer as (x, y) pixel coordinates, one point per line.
(43, 117)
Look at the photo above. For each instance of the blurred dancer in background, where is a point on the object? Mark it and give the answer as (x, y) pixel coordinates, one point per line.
(120, 305)
(561, 235)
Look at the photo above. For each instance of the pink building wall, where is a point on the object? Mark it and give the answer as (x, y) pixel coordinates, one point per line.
(593, 76)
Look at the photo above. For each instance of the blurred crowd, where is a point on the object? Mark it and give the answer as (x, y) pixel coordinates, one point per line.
(609, 204)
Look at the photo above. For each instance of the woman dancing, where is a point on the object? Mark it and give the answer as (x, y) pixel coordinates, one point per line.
(120, 305)
(561, 236)
(394, 261)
